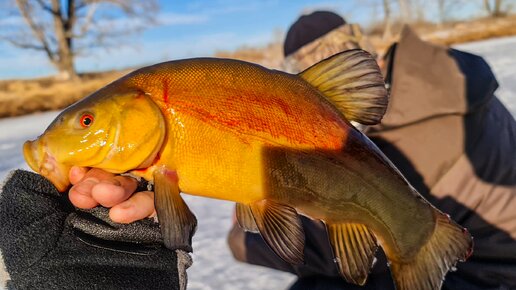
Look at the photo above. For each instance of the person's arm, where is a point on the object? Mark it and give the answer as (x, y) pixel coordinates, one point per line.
(47, 244)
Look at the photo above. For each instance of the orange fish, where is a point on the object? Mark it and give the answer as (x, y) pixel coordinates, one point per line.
(275, 143)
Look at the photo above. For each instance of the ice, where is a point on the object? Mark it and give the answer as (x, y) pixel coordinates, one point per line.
(214, 267)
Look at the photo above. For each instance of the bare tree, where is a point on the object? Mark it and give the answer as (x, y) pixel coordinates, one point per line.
(494, 8)
(446, 9)
(405, 10)
(419, 7)
(62, 29)
(387, 32)
(441, 5)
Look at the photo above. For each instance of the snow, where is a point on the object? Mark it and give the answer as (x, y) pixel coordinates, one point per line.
(15, 131)
(214, 267)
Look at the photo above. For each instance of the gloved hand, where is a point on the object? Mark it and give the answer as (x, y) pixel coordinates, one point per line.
(47, 244)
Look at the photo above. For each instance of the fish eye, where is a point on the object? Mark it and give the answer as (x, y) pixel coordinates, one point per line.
(86, 120)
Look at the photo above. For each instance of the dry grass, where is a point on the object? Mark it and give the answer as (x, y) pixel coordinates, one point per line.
(453, 32)
(481, 29)
(270, 56)
(18, 97)
(446, 34)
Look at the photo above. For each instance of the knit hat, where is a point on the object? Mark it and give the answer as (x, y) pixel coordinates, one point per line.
(310, 27)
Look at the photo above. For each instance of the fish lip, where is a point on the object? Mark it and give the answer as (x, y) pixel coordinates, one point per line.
(28, 154)
(43, 162)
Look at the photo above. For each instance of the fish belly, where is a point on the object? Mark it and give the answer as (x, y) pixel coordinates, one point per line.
(215, 163)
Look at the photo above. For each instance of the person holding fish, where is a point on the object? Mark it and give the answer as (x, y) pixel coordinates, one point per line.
(284, 146)
(46, 243)
(444, 130)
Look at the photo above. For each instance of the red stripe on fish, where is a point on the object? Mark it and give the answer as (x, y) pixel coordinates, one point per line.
(261, 114)
(165, 91)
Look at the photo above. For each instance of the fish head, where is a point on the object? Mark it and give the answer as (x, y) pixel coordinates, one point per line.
(111, 129)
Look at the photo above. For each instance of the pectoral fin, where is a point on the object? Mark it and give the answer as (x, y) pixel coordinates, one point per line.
(245, 218)
(354, 247)
(177, 222)
(281, 228)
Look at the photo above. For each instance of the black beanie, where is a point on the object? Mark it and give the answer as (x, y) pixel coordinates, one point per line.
(310, 27)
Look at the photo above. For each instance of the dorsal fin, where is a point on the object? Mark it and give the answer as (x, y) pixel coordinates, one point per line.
(352, 81)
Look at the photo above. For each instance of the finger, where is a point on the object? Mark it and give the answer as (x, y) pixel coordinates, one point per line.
(80, 194)
(137, 207)
(114, 191)
(99, 174)
(85, 179)
(77, 173)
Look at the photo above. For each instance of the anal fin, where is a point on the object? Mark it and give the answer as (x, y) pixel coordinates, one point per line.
(245, 218)
(177, 222)
(281, 228)
(354, 247)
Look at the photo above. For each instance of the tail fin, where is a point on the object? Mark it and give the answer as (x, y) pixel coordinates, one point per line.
(449, 243)
(352, 81)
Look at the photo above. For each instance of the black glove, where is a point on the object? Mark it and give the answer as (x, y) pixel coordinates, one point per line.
(47, 244)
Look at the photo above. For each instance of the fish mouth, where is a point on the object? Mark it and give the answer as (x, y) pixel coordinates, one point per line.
(40, 160)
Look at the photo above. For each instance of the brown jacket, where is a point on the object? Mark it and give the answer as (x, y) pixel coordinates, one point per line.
(456, 143)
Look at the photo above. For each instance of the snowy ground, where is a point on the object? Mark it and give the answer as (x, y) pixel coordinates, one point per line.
(214, 267)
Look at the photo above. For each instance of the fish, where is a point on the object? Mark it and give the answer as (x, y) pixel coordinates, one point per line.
(279, 145)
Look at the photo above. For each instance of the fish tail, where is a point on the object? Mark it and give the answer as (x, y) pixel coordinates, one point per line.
(448, 244)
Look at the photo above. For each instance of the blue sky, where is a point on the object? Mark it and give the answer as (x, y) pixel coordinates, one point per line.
(188, 29)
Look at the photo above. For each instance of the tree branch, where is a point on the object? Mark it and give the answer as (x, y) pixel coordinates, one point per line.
(62, 28)
(69, 22)
(38, 32)
(87, 22)
(22, 44)
(45, 7)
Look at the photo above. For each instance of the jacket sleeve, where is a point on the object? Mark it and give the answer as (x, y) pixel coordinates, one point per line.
(47, 244)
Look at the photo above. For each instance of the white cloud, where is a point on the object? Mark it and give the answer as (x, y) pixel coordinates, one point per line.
(181, 19)
(146, 53)
(221, 7)
(13, 20)
(24, 64)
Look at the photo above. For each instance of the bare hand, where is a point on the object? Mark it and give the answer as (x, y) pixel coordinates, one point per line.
(92, 187)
